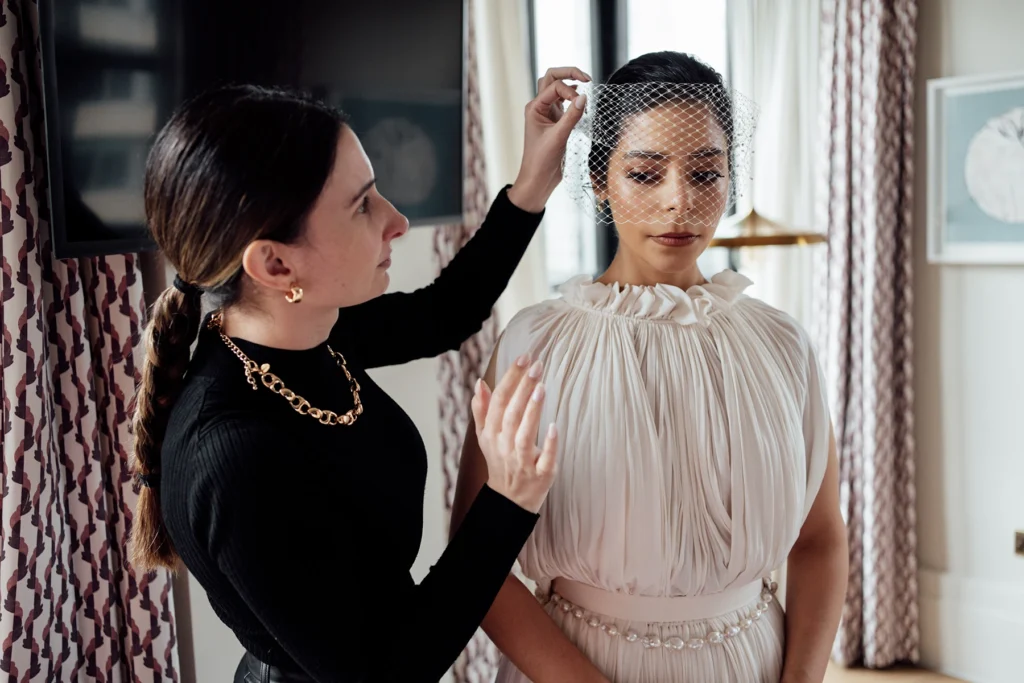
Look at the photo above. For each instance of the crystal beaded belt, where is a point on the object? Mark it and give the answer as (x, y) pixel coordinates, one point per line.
(587, 602)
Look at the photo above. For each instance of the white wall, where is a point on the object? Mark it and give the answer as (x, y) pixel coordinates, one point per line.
(970, 408)
(415, 387)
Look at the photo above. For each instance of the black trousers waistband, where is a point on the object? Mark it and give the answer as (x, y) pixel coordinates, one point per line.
(252, 670)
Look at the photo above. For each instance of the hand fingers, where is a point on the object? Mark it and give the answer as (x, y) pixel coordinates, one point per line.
(562, 73)
(481, 399)
(503, 394)
(553, 94)
(526, 435)
(555, 111)
(572, 115)
(546, 461)
(517, 406)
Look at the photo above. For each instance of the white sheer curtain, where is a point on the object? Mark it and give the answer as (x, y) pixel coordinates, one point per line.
(506, 85)
(697, 27)
(563, 37)
(774, 60)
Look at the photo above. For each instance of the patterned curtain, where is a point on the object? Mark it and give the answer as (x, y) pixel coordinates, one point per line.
(460, 369)
(71, 608)
(865, 309)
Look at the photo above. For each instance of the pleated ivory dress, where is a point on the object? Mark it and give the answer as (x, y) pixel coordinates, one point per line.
(694, 437)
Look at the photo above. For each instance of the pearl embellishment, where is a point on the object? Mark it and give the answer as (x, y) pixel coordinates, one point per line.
(652, 641)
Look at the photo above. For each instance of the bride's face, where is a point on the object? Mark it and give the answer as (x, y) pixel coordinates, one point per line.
(668, 184)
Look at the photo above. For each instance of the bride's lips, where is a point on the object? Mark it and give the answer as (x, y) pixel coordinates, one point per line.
(386, 263)
(676, 239)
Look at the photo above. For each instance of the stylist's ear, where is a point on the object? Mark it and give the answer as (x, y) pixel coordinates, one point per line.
(266, 263)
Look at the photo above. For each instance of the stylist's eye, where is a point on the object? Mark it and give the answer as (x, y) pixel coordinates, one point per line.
(364, 206)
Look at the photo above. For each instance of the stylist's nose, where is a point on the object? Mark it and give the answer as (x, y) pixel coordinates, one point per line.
(397, 224)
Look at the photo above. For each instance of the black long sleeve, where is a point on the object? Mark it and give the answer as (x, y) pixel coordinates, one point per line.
(303, 535)
(333, 603)
(442, 315)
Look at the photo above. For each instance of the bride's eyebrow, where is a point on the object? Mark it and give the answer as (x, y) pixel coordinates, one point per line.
(703, 153)
(644, 154)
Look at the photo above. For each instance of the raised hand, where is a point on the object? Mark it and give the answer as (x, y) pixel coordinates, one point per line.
(548, 126)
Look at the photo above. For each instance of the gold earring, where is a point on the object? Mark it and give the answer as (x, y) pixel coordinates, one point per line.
(294, 296)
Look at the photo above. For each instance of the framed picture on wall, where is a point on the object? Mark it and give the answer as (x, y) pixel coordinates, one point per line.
(975, 168)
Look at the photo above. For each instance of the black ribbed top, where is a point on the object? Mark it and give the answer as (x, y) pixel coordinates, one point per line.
(303, 534)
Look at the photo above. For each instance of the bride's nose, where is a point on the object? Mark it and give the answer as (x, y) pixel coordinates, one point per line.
(677, 194)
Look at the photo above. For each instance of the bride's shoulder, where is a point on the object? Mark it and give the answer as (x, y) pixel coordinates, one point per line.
(539, 314)
(534, 327)
(770, 323)
(530, 331)
(550, 309)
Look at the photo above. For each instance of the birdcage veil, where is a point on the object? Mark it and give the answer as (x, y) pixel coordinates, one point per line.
(657, 152)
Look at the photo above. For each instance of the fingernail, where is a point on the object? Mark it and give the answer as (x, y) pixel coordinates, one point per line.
(538, 393)
(523, 361)
(581, 101)
(535, 370)
(479, 383)
(552, 431)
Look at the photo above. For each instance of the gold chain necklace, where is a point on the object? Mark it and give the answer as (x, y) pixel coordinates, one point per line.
(274, 383)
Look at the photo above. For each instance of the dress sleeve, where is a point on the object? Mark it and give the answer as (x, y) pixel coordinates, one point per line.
(400, 327)
(817, 427)
(298, 555)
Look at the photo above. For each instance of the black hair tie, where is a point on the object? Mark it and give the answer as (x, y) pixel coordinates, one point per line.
(150, 481)
(187, 288)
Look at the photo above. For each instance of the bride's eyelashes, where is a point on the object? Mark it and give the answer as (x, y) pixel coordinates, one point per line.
(644, 177)
(706, 177)
(698, 177)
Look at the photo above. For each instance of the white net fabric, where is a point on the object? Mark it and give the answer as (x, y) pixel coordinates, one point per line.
(660, 153)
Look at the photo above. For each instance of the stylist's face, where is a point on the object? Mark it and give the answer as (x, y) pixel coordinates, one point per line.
(346, 252)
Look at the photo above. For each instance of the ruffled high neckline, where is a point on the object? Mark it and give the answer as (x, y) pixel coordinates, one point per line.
(657, 302)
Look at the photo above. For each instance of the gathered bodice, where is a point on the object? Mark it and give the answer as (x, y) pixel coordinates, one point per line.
(694, 435)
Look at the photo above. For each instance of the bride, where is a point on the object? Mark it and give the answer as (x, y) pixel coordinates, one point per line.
(698, 454)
